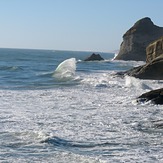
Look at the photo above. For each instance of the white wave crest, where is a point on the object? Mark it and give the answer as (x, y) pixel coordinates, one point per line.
(115, 55)
(134, 82)
(65, 70)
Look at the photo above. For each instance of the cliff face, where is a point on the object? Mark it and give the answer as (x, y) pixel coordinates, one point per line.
(154, 50)
(153, 69)
(137, 38)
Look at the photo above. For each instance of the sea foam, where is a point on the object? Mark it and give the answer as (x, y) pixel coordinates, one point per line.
(133, 82)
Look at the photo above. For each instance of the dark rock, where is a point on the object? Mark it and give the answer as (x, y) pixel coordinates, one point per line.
(155, 96)
(94, 57)
(137, 38)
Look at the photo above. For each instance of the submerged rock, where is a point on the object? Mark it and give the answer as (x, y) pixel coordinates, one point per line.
(156, 96)
(137, 38)
(94, 57)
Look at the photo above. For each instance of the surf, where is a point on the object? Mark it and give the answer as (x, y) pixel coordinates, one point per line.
(135, 82)
(65, 70)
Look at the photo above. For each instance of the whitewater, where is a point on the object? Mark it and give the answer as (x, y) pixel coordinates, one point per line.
(57, 108)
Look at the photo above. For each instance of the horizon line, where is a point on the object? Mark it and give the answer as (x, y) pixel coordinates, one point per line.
(16, 48)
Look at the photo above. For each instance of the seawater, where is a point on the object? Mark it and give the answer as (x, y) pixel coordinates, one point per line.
(86, 115)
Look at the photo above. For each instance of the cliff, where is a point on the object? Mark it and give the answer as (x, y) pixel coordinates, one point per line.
(137, 38)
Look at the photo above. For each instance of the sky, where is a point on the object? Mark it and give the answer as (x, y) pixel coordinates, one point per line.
(78, 25)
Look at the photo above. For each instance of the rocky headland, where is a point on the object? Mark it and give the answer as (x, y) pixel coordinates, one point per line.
(144, 42)
(137, 38)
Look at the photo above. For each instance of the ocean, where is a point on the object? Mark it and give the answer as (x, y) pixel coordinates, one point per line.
(57, 108)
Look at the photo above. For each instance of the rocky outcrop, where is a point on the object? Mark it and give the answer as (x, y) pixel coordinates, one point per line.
(94, 57)
(155, 96)
(153, 69)
(137, 38)
(154, 50)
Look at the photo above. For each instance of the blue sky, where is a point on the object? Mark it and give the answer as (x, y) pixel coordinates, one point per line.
(94, 25)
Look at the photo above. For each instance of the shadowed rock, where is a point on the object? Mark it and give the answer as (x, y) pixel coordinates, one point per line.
(156, 96)
(94, 57)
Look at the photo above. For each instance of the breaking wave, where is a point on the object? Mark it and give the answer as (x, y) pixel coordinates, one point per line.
(65, 70)
(133, 82)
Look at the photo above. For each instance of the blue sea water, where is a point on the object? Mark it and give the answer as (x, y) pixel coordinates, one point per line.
(32, 69)
(57, 108)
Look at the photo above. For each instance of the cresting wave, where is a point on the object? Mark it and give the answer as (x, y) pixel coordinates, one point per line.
(133, 82)
(65, 70)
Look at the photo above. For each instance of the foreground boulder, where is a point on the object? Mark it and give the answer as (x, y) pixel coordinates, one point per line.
(94, 57)
(155, 96)
(137, 38)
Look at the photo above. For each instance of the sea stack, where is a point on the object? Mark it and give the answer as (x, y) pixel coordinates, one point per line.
(94, 57)
(137, 38)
